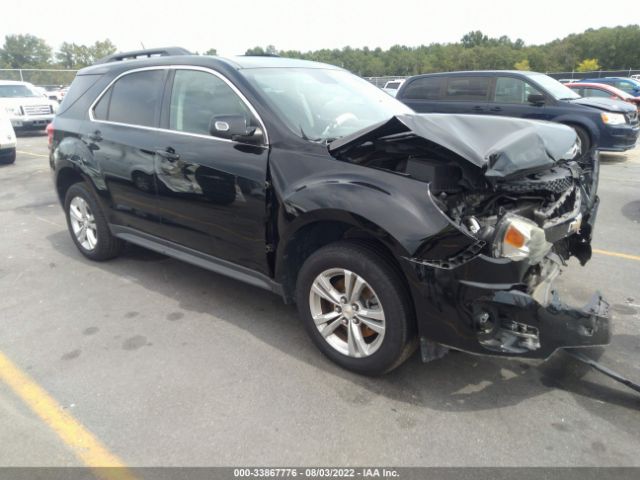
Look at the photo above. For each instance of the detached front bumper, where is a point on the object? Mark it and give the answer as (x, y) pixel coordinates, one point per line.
(488, 306)
(497, 306)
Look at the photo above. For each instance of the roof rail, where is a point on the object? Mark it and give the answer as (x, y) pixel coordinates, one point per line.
(148, 53)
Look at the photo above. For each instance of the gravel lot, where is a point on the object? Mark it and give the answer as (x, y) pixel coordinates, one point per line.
(168, 364)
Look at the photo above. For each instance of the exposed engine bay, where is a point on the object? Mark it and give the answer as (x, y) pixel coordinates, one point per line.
(514, 189)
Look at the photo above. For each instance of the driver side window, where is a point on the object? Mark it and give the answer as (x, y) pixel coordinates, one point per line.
(513, 90)
(198, 96)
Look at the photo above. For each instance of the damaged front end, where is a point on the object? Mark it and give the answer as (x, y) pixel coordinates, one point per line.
(518, 203)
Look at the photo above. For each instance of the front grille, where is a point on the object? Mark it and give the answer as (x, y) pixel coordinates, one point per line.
(37, 109)
(632, 117)
(555, 181)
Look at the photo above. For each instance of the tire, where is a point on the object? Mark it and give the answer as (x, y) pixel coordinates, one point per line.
(585, 140)
(97, 243)
(8, 159)
(375, 350)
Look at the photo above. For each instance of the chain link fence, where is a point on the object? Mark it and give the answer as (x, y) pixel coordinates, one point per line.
(38, 76)
(593, 74)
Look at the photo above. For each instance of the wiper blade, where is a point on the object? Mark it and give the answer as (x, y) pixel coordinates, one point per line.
(305, 137)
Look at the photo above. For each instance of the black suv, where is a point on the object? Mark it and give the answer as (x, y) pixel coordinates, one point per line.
(387, 228)
(602, 123)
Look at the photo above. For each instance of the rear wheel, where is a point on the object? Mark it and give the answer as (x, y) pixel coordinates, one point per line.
(355, 307)
(88, 226)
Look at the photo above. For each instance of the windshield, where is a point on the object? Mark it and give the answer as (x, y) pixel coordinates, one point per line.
(321, 105)
(556, 89)
(16, 91)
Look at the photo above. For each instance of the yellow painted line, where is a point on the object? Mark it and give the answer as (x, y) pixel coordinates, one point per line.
(34, 154)
(82, 442)
(616, 254)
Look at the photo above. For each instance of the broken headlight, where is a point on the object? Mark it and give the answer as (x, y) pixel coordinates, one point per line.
(519, 238)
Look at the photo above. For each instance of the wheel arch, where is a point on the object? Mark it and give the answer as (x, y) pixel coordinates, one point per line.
(73, 162)
(313, 231)
(583, 122)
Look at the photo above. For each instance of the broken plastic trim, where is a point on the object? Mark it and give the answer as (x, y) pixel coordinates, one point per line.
(602, 369)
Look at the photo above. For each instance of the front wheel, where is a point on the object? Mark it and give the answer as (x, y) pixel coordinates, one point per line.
(356, 308)
(584, 140)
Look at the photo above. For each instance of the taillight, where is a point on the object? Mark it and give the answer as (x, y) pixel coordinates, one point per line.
(49, 130)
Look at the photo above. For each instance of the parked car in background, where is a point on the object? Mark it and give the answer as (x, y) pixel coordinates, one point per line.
(39, 91)
(392, 86)
(388, 229)
(600, 123)
(603, 90)
(26, 109)
(7, 140)
(629, 85)
(54, 92)
(635, 77)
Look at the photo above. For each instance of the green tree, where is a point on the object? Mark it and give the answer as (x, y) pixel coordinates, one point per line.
(71, 55)
(474, 39)
(25, 51)
(588, 65)
(211, 51)
(255, 51)
(101, 49)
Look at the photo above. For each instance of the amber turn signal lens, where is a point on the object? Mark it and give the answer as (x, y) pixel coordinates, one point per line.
(514, 237)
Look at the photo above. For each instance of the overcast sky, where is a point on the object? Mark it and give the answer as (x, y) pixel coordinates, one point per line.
(232, 26)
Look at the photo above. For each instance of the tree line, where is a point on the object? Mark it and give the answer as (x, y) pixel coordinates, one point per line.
(603, 48)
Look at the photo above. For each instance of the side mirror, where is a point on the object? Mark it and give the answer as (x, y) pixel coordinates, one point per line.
(234, 127)
(536, 99)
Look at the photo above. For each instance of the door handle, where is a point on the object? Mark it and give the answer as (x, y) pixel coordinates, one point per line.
(496, 109)
(169, 154)
(477, 108)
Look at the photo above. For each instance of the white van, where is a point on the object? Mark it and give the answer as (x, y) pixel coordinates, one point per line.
(26, 109)
(7, 140)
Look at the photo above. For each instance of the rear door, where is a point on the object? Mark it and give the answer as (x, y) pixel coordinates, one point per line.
(211, 191)
(467, 94)
(123, 137)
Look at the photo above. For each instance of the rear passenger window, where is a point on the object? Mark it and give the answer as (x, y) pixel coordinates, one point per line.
(468, 88)
(134, 99)
(513, 90)
(596, 92)
(424, 88)
(197, 97)
(624, 85)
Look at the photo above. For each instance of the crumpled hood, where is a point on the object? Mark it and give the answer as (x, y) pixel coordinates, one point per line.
(500, 146)
(605, 104)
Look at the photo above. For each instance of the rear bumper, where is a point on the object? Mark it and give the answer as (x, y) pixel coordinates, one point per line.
(39, 122)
